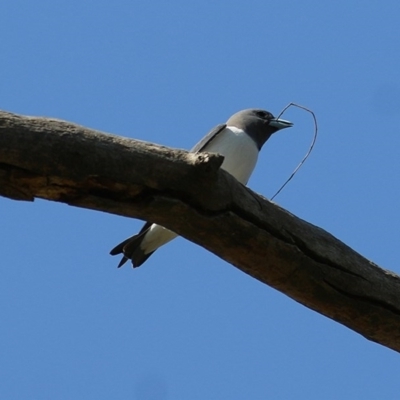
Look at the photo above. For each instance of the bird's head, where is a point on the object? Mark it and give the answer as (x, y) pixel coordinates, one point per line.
(258, 124)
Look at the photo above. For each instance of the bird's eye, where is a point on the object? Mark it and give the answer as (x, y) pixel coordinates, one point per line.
(263, 114)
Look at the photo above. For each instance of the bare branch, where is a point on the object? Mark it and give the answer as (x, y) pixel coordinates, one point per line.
(190, 195)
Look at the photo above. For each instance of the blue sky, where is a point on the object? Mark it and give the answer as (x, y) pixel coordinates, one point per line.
(187, 325)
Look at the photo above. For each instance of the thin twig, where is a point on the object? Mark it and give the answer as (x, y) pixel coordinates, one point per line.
(309, 150)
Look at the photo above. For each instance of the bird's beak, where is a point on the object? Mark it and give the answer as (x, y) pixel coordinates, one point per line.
(280, 123)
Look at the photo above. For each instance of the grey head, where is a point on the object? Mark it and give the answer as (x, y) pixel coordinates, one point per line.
(258, 124)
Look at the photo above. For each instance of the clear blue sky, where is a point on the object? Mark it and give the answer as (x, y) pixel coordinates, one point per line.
(187, 325)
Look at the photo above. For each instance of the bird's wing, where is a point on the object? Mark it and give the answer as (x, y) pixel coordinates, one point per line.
(199, 147)
(208, 138)
(145, 227)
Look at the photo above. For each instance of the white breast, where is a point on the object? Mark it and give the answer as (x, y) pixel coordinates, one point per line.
(239, 150)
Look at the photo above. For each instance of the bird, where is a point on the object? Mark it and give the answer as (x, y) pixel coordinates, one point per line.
(239, 140)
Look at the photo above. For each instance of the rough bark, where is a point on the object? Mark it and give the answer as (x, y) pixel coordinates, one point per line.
(189, 194)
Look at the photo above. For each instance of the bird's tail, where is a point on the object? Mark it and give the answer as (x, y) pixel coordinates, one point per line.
(131, 250)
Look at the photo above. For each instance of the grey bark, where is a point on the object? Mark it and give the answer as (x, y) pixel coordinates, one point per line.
(190, 194)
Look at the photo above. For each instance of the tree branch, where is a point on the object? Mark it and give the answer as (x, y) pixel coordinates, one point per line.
(189, 194)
